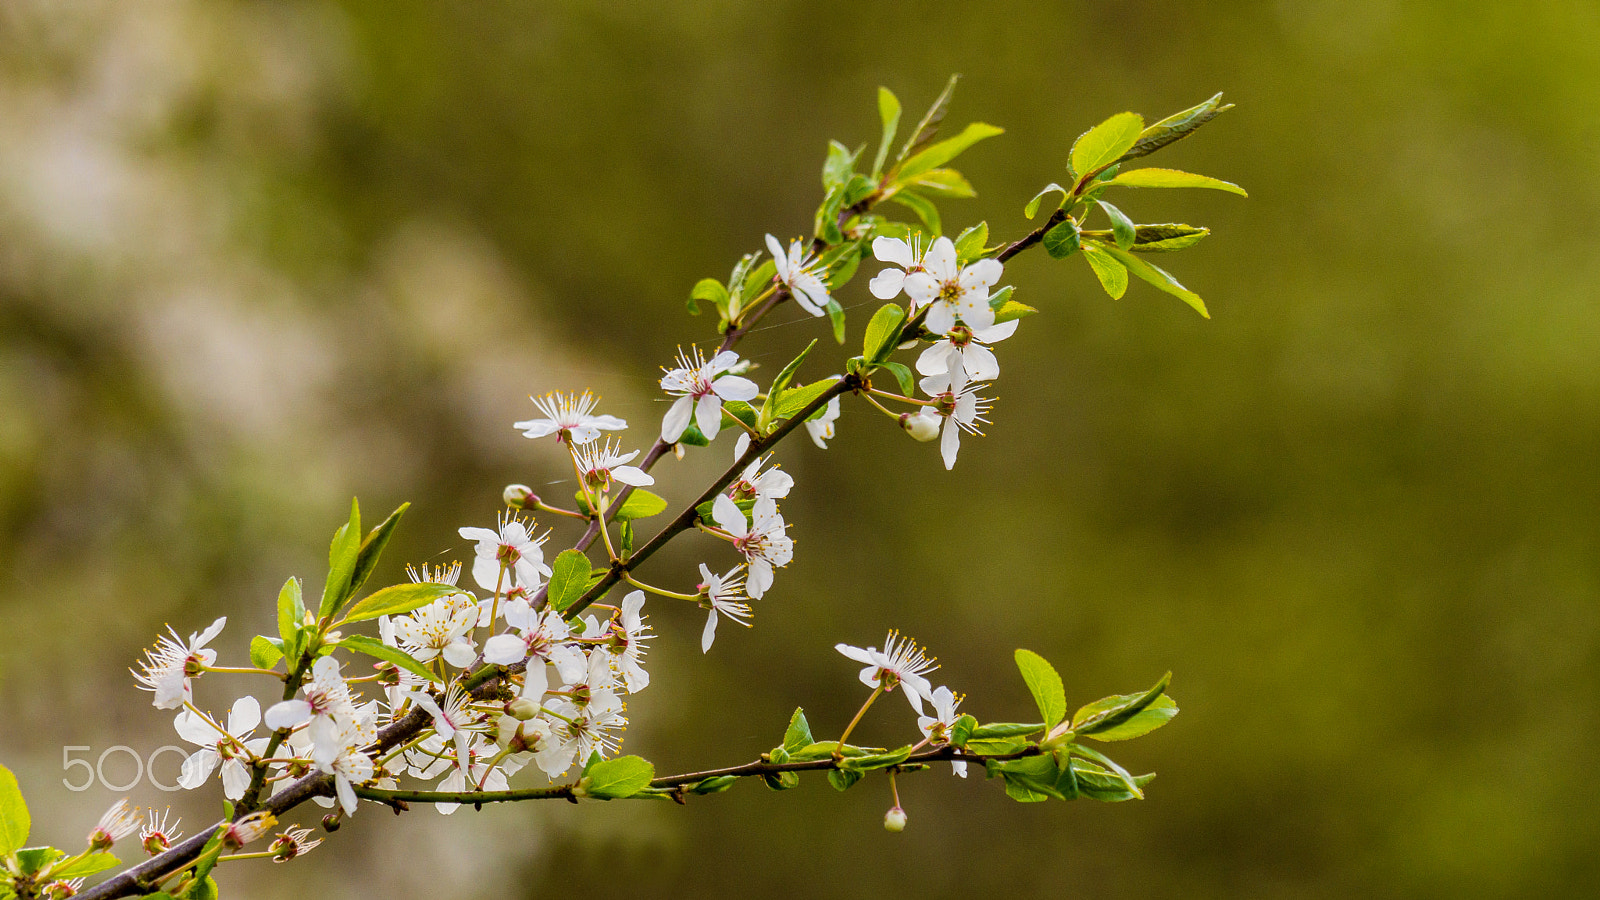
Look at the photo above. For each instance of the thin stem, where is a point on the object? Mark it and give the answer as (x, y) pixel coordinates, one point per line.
(839, 750)
(244, 670)
(659, 592)
(569, 513)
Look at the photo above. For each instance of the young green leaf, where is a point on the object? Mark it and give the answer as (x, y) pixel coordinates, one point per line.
(1141, 723)
(948, 149)
(872, 761)
(1062, 241)
(923, 207)
(1159, 278)
(795, 401)
(372, 548)
(883, 332)
(1112, 274)
(836, 170)
(843, 779)
(1175, 128)
(1128, 782)
(341, 562)
(641, 504)
(1165, 238)
(961, 730)
(1101, 145)
(836, 320)
(970, 243)
(1109, 712)
(99, 861)
(14, 820)
(1172, 178)
(902, 374)
(889, 113)
(1122, 229)
(781, 382)
(1098, 783)
(1045, 685)
(1011, 309)
(716, 784)
(617, 779)
(291, 613)
(798, 734)
(397, 599)
(943, 183)
(928, 128)
(569, 578)
(265, 652)
(1032, 208)
(360, 643)
(711, 291)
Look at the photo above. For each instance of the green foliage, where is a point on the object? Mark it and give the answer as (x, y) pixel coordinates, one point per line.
(265, 652)
(1159, 278)
(1122, 230)
(970, 243)
(883, 333)
(360, 643)
(928, 128)
(569, 579)
(616, 779)
(1172, 178)
(889, 115)
(291, 617)
(1045, 684)
(641, 504)
(1112, 274)
(342, 556)
(1104, 144)
(1032, 208)
(1109, 713)
(947, 150)
(14, 820)
(397, 599)
(798, 734)
(1175, 127)
(89, 864)
(779, 385)
(1062, 240)
(797, 400)
(372, 548)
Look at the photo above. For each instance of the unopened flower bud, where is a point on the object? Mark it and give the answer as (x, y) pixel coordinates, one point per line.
(923, 426)
(522, 708)
(894, 820)
(519, 496)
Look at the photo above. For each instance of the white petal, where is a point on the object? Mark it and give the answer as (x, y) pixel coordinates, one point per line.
(288, 714)
(811, 294)
(504, 650)
(235, 778)
(940, 318)
(855, 653)
(893, 250)
(886, 285)
(729, 516)
(677, 419)
(535, 428)
(950, 443)
(708, 415)
(941, 259)
(480, 535)
(779, 258)
(459, 654)
(607, 423)
(984, 272)
(197, 768)
(347, 795)
(996, 333)
(980, 363)
(921, 288)
(486, 572)
(732, 387)
(632, 475)
(759, 579)
(211, 632)
(195, 729)
(935, 360)
(244, 717)
(975, 309)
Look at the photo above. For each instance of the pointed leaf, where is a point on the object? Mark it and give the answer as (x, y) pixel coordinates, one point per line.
(1045, 685)
(291, 613)
(617, 779)
(780, 383)
(795, 401)
(1173, 178)
(341, 562)
(711, 291)
(1112, 274)
(947, 150)
(923, 207)
(889, 114)
(14, 820)
(928, 128)
(1032, 208)
(970, 243)
(943, 183)
(1159, 278)
(1175, 127)
(569, 579)
(902, 374)
(1062, 241)
(1122, 229)
(798, 733)
(1109, 712)
(360, 643)
(1101, 145)
(265, 652)
(397, 599)
(372, 548)
(1141, 723)
(836, 170)
(883, 332)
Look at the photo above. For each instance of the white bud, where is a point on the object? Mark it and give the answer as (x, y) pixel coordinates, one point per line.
(519, 496)
(924, 426)
(522, 709)
(894, 820)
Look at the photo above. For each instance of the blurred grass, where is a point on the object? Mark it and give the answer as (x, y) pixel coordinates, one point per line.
(258, 257)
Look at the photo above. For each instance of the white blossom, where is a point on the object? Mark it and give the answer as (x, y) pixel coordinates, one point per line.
(773, 484)
(627, 643)
(568, 417)
(513, 547)
(540, 638)
(821, 427)
(599, 466)
(325, 709)
(888, 283)
(230, 746)
(968, 348)
(951, 291)
(442, 628)
(115, 824)
(158, 835)
(799, 274)
(168, 667)
(961, 407)
(936, 728)
(900, 663)
(722, 594)
(763, 539)
(701, 387)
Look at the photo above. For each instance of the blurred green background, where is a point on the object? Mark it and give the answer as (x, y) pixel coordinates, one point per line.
(256, 258)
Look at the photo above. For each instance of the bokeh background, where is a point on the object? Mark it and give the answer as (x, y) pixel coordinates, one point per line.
(256, 258)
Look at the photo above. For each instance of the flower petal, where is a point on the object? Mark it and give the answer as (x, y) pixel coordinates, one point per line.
(893, 250)
(708, 415)
(886, 285)
(675, 421)
(732, 387)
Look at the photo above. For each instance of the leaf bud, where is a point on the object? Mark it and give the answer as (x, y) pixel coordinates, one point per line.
(519, 496)
(923, 426)
(894, 820)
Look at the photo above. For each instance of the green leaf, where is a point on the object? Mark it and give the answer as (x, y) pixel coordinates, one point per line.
(1032, 208)
(1122, 229)
(1141, 723)
(1175, 128)
(781, 383)
(1101, 784)
(1110, 712)
(99, 861)
(209, 853)
(1159, 278)
(626, 539)
(826, 223)
(902, 374)
(617, 779)
(1045, 685)
(360, 643)
(265, 652)
(1062, 241)
(1128, 782)
(741, 412)
(372, 548)
(341, 562)
(14, 820)
(843, 779)
(947, 150)
(1006, 729)
(798, 733)
(961, 730)
(923, 207)
(883, 332)
(1035, 774)
(757, 279)
(876, 760)
(716, 784)
(291, 614)
(837, 168)
(1011, 309)
(795, 401)
(970, 243)
(641, 504)
(836, 319)
(1167, 237)
(928, 128)
(397, 599)
(943, 183)
(711, 291)
(1172, 178)
(1112, 274)
(1103, 144)
(889, 114)
(569, 578)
